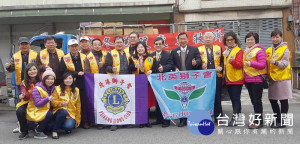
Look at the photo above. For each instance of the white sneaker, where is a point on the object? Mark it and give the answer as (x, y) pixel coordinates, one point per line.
(17, 129)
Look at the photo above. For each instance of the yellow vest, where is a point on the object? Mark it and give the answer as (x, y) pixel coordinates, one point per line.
(232, 73)
(217, 56)
(148, 63)
(69, 63)
(44, 56)
(34, 113)
(93, 63)
(74, 106)
(276, 73)
(116, 59)
(251, 56)
(22, 102)
(18, 63)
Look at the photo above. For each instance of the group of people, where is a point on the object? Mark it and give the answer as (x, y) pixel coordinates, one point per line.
(51, 84)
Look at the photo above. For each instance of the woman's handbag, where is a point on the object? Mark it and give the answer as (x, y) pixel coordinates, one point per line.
(265, 81)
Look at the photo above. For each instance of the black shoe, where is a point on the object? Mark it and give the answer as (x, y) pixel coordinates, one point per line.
(141, 125)
(55, 137)
(149, 125)
(113, 128)
(181, 124)
(231, 123)
(23, 136)
(86, 125)
(40, 135)
(100, 126)
(156, 123)
(164, 125)
(278, 125)
(68, 132)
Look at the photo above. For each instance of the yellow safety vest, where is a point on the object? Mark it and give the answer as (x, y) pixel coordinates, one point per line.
(148, 63)
(93, 63)
(232, 73)
(251, 56)
(116, 59)
(217, 51)
(22, 102)
(73, 108)
(34, 113)
(274, 72)
(18, 63)
(44, 56)
(69, 63)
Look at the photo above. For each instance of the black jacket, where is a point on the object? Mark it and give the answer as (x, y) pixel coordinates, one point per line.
(79, 82)
(192, 52)
(165, 60)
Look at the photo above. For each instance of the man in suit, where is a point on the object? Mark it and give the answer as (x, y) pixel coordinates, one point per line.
(161, 63)
(185, 57)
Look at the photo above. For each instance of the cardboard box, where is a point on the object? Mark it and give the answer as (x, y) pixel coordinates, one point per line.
(149, 30)
(155, 31)
(92, 31)
(113, 24)
(127, 31)
(110, 31)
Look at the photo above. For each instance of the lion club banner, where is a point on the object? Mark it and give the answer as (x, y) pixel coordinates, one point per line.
(180, 93)
(195, 39)
(116, 99)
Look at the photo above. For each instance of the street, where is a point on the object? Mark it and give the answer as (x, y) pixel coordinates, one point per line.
(172, 134)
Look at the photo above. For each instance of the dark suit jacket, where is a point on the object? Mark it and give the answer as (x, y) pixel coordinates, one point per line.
(192, 53)
(164, 60)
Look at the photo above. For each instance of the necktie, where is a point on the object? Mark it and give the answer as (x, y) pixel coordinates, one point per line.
(157, 56)
(209, 50)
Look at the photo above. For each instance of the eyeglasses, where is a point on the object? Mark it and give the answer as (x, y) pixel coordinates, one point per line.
(132, 37)
(229, 40)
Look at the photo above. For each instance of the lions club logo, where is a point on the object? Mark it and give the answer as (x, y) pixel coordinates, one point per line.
(115, 100)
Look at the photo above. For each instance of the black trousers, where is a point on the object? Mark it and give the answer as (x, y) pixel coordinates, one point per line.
(255, 92)
(217, 105)
(83, 106)
(21, 115)
(159, 117)
(276, 109)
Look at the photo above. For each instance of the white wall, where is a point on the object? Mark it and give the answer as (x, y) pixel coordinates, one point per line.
(224, 5)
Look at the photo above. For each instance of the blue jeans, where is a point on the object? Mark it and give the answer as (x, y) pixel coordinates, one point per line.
(69, 124)
(43, 124)
(61, 121)
(235, 96)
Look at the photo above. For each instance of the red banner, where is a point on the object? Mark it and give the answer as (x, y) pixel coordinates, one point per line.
(195, 39)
